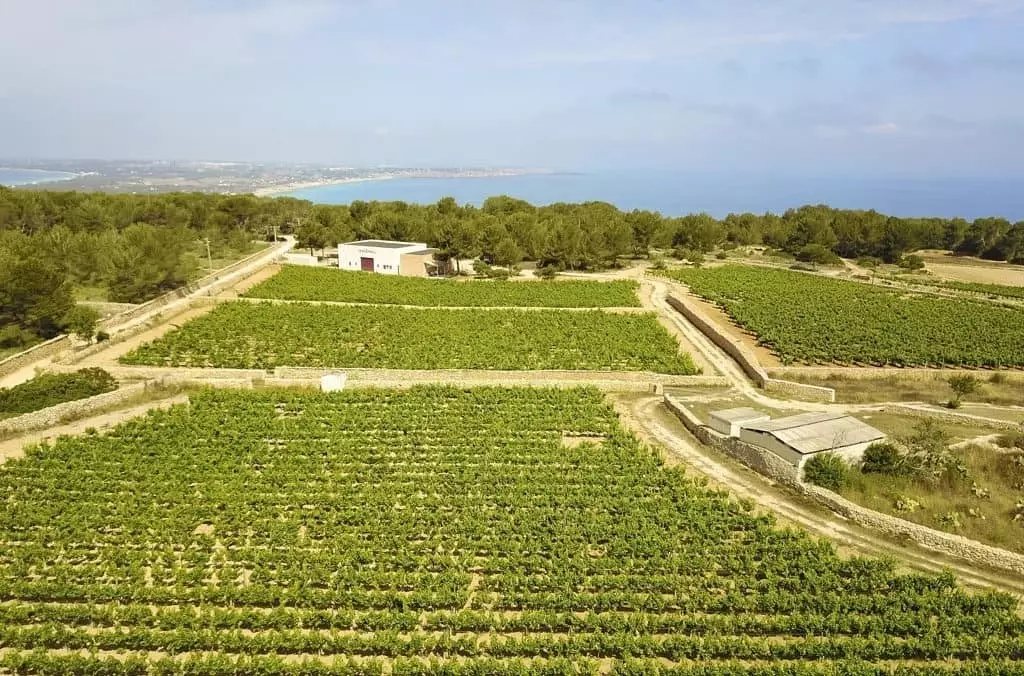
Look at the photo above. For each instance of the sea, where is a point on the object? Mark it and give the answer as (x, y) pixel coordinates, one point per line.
(675, 194)
(11, 177)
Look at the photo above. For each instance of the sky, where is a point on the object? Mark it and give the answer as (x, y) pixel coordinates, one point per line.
(923, 88)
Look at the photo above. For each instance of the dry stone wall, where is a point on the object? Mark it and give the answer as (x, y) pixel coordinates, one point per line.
(54, 415)
(773, 467)
(882, 373)
(953, 417)
(747, 361)
(33, 354)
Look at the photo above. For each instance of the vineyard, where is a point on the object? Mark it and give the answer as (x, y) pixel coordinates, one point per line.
(813, 319)
(247, 335)
(305, 283)
(988, 289)
(437, 531)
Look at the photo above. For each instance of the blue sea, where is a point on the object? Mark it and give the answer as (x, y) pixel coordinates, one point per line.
(11, 177)
(676, 194)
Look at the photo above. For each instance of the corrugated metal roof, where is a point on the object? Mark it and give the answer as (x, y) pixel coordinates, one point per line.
(816, 432)
(735, 415)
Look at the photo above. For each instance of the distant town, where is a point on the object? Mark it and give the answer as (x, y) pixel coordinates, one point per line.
(160, 176)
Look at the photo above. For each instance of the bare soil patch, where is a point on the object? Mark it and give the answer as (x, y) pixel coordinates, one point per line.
(968, 269)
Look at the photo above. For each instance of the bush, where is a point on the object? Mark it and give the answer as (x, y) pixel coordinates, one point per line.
(81, 320)
(547, 272)
(962, 385)
(883, 458)
(827, 470)
(50, 389)
(102, 336)
(721, 255)
(690, 255)
(658, 262)
(1011, 440)
(869, 261)
(912, 262)
(816, 253)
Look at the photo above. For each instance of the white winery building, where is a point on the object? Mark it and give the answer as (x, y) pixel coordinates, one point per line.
(411, 259)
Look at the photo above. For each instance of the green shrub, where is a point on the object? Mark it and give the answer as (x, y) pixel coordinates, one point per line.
(1011, 440)
(883, 458)
(547, 272)
(816, 253)
(912, 262)
(869, 261)
(827, 470)
(50, 389)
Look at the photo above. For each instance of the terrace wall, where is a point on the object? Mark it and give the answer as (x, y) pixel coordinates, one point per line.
(748, 362)
(55, 415)
(33, 354)
(775, 468)
(882, 373)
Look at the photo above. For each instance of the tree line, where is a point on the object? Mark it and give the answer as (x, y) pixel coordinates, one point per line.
(134, 247)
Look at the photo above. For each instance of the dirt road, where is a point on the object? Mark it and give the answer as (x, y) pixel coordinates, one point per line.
(272, 253)
(15, 448)
(648, 417)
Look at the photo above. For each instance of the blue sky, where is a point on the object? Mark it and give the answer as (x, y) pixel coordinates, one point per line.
(794, 87)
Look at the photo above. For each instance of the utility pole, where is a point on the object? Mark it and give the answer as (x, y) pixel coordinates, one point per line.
(209, 257)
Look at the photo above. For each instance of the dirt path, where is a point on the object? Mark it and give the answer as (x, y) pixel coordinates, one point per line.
(243, 275)
(648, 417)
(15, 448)
(108, 358)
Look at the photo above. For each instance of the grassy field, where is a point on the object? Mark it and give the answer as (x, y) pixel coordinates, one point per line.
(812, 319)
(305, 283)
(980, 505)
(247, 335)
(933, 390)
(437, 531)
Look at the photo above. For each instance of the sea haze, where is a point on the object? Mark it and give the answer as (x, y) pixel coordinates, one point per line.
(677, 194)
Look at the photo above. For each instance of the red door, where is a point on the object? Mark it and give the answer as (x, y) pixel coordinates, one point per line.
(366, 264)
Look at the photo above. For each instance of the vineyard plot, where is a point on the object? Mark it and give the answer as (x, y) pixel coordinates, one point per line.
(284, 528)
(812, 319)
(258, 335)
(321, 284)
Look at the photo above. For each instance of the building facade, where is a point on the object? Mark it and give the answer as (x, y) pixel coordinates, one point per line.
(412, 259)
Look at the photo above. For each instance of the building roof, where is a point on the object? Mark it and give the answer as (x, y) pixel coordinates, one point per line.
(736, 415)
(384, 244)
(421, 252)
(815, 432)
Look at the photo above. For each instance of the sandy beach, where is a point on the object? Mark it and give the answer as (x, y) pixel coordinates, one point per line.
(285, 188)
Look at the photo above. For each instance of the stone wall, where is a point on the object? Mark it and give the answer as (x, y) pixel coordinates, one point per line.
(731, 347)
(621, 382)
(953, 417)
(799, 390)
(773, 467)
(33, 354)
(171, 296)
(747, 361)
(54, 415)
(882, 373)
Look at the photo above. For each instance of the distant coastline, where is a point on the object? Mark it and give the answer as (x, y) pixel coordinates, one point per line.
(18, 176)
(286, 188)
